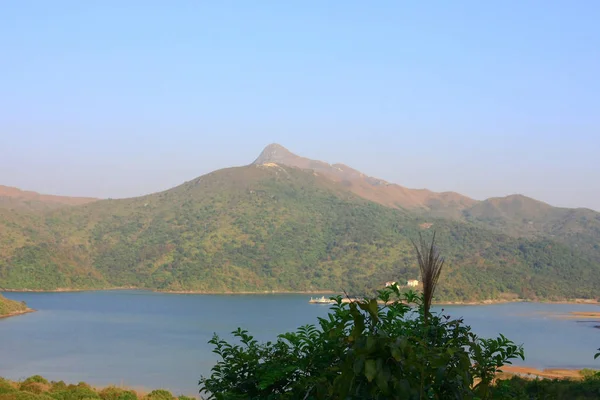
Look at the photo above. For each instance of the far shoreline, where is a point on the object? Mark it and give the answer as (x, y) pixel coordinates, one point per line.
(315, 292)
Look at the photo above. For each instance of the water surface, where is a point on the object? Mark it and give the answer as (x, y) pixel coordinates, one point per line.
(149, 340)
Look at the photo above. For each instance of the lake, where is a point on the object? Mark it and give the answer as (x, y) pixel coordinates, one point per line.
(149, 340)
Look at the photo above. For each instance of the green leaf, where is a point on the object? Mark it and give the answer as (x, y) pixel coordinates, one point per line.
(359, 363)
(371, 343)
(370, 370)
(382, 383)
(373, 309)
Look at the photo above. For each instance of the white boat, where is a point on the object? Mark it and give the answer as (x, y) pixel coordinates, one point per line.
(321, 300)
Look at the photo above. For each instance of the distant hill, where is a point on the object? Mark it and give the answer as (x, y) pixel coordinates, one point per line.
(514, 215)
(270, 226)
(14, 198)
(289, 223)
(370, 188)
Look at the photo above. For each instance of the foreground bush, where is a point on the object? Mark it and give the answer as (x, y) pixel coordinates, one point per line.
(380, 348)
(387, 347)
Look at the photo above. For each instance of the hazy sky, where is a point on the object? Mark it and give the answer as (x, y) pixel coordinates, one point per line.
(121, 98)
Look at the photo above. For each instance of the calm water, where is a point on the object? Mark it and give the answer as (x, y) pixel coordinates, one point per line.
(150, 340)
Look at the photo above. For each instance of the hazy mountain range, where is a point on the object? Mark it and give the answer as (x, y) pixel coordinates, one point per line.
(14, 198)
(286, 222)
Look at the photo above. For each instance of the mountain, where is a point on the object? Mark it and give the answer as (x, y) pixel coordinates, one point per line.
(514, 215)
(14, 198)
(270, 226)
(374, 189)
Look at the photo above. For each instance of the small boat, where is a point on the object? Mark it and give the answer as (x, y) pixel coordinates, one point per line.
(321, 300)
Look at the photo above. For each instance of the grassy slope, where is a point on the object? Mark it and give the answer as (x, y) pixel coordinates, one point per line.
(270, 228)
(10, 306)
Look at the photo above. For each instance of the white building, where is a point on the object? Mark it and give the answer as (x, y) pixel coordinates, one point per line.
(412, 283)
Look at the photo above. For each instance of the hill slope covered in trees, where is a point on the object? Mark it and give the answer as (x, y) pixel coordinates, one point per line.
(269, 227)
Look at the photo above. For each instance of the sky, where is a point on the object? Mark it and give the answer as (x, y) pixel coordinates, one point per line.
(123, 98)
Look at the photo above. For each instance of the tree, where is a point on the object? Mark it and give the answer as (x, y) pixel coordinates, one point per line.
(390, 346)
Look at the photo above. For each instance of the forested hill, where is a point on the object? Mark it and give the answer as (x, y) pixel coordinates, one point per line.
(514, 215)
(274, 227)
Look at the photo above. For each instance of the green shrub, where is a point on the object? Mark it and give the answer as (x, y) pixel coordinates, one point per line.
(6, 386)
(17, 395)
(160, 394)
(58, 386)
(590, 373)
(37, 379)
(548, 389)
(34, 387)
(128, 395)
(115, 393)
(363, 351)
(386, 347)
(75, 392)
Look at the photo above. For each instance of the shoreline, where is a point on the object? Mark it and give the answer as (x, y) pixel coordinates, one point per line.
(17, 313)
(307, 292)
(545, 373)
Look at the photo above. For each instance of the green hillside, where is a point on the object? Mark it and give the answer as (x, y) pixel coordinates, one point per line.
(260, 228)
(8, 307)
(520, 216)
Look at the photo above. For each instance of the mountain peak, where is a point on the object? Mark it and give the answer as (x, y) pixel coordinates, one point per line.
(274, 153)
(365, 186)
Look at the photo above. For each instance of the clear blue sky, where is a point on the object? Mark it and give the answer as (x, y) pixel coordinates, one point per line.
(121, 98)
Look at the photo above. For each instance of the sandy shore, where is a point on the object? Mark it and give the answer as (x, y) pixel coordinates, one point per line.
(580, 316)
(14, 314)
(549, 373)
(584, 315)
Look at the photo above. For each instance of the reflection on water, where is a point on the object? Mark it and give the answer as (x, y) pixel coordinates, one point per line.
(149, 340)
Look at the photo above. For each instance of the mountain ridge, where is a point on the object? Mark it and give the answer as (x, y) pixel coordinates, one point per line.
(278, 154)
(516, 214)
(371, 188)
(12, 197)
(270, 226)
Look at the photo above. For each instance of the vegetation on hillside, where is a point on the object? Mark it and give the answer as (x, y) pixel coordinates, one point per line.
(8, 307)
(514, 215)
(39, 388)
(260, 228)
